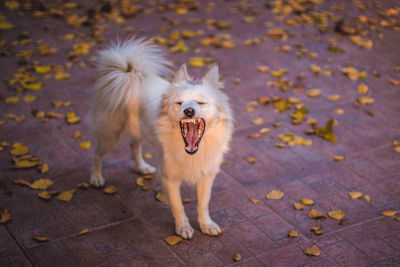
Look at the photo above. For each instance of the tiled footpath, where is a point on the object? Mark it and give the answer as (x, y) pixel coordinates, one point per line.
(127, 228)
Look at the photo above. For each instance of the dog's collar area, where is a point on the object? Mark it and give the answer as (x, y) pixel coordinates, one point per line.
(192, 131)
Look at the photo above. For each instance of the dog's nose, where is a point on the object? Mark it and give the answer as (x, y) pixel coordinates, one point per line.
(189, 112)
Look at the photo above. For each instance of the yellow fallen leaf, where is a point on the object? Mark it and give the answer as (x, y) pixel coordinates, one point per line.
(237, 257)
(84, 231)
(255, 201)
(85, 145)
(275, 195)
(5, 25)
(263, 69)
(12, 99)
(250, 159)
(42, 69)
(26, 163)
(362, 89)
(5, 216)
(312, 251)
(41, 239)
(77, 134)
(293, 233)
(280, 145)
(367, 198)
(140, 181)
(44, 168)
(254, 136)
(146, 155)
(66, 195)
(339, 111)
(32, 86)
(365, 100)
(72, 118)
(257, 121)
(61, 75)
(21, 182)
(29, 98)
(298, 206)
(316, 214)
(389, 213)
(173, 239)
(355, 195)
(84, 185)
(19, 149)
(11, 5)
(45, 195)
(313, 93)
(148, 176)
(334, 97)
(42, 184)
(187, 200)
(82, 48)
(338, 158)
(110, 190)
(318, 230)
(307, 201)
(196, 62)
(160, 197)
(336, 214)
(327, 132)
(264, 131)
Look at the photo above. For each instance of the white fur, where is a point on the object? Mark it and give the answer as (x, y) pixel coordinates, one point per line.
(132, 96)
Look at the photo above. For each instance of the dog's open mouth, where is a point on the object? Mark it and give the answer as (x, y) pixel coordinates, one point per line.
(192, 131)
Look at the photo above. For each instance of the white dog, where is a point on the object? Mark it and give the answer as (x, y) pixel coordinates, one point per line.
(187, 122)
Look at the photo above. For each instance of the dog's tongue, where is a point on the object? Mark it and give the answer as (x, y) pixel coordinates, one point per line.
(191, 137)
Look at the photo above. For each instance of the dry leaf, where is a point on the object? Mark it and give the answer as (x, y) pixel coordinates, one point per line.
(187, 200)
(263, 69)
(26, 163)
(254, 136)
(280, 145)
(85, 145)
(318, 230)
(160, 197)
(356, 195)
(275, 195)
(146, 155)
(298, 206)
(237, 257)
(45, 195)
(257, 121)
(327, 132)
(339, 111)
(41, 239)
(334, 97)
(44, 168)
(140, 181)
(83, 231)
(293, 233)
(255, 201)
(307, 201)
(338, 158)
(66, 195)
(172, 239)
(110, 190)
(77, 134)
(362, 89)
(264, 131)
(365, 100)
(148, 176)
(12, 99)
(5, 216)
(336, 214)
(84, 185)
(316, 214)
(19, 149)
(389, 213)
(313, 93)
(197, 62)
(42, 69)
(367, 198)
(42, 184)
(250, 159)
(312, 251)
(21, 182)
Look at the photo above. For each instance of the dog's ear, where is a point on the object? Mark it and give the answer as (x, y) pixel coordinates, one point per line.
(182, 75)
(212, 77)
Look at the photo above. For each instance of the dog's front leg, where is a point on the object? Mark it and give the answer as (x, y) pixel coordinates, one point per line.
(182, 225)
(207, 225)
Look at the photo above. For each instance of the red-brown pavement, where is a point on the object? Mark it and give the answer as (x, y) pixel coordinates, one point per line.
(127, 228)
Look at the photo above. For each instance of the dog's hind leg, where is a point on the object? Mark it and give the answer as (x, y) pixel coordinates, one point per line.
(106, 140)
(207, 225)
(141, 165)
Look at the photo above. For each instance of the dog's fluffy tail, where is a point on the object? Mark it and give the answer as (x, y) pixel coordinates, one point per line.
(122, 69)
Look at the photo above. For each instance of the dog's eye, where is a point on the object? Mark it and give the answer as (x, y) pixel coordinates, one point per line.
(178, 103)
(201, 102)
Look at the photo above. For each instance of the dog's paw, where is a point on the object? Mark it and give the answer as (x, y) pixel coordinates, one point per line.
(211, 228)
(145, 168)
(186, 231)
(97, 181)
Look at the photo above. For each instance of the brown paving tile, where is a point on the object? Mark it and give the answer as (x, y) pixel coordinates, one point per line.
(49, 255)
(347, 255)
(162, 258)
(7, 244)
(6, 262)
(273, 225)
(285, 256)
(20, 259)
(80, 252)
(208, 259)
